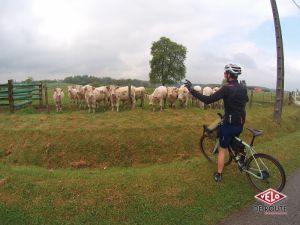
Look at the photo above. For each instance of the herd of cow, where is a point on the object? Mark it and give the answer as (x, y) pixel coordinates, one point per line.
(112, 96)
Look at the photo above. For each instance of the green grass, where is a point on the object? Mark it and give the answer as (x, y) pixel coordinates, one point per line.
(181, 192)
(144, 167)
(128, 138)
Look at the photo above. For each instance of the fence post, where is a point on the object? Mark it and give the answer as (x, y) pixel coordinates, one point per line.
(46, 97)
(41, 94)
(251, 98)
(290, 98)
(10, 96)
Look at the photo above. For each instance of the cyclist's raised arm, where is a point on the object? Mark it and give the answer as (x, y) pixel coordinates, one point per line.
(212, 98)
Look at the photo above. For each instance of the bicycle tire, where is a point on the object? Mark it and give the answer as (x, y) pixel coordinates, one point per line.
(266, 172)
(207, 148)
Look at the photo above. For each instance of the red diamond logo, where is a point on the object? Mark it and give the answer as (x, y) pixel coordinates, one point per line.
(270, 196)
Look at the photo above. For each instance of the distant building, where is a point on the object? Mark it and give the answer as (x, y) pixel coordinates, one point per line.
(258, 89)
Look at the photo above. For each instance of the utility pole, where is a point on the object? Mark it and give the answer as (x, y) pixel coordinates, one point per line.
(280, 65)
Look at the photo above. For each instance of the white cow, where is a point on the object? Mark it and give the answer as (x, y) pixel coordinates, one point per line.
(118, 94)
(207, 91)
(94, 96)
(158, 97)
(58, 96)
(72, 93)
(197, 101)
(102, 95)
(90, 99)
(183, 96)
(81, 90)
(172, 96)
(140, 93)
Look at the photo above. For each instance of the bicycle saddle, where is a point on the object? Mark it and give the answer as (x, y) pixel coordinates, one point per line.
(255, 132)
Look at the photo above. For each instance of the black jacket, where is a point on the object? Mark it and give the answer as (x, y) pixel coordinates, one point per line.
(235, 98)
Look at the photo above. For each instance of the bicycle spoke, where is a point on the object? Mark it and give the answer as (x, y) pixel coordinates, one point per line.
(265, 172)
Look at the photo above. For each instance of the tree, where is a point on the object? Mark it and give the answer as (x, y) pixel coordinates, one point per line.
(29, 80)
(167, 63)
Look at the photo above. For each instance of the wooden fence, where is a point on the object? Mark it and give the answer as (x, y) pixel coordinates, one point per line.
(19, 95)
(265, 98)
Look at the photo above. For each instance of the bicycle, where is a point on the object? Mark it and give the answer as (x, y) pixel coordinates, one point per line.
(263, 171)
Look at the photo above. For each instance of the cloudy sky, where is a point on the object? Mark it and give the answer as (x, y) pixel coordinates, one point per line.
(49, 39)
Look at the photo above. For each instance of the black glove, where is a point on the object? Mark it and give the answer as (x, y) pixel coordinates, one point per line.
(188, 85)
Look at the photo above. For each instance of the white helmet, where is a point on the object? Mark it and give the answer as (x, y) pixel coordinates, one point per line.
(233, 69)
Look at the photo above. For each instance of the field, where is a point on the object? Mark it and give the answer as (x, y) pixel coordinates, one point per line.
(132, 167)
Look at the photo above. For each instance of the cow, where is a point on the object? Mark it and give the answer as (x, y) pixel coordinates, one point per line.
(207, 91)
(197, 101)
(140, 94)
(94, 96)
(102, 95)
(158, 97)
(121, 94)
(183, 96)
(72, 93)
(81, 90)
(90, 99)
(58, 96)
(172, 95)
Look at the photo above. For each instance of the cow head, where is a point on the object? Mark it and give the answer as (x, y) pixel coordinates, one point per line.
(182, 92)
(58, 92)
(150, 99)
(172, 92)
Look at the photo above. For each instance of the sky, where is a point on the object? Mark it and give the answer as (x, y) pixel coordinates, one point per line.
(52, 39)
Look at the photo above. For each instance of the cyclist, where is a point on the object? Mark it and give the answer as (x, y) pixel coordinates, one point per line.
(235, 98)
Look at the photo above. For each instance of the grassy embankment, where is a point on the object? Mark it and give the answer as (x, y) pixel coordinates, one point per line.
(154, 172)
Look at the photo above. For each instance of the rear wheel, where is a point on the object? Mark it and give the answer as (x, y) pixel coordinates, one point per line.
(265, 172)
(207, 145)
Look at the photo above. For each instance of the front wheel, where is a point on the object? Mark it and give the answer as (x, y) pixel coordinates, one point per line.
(265, 172)
(208, 146)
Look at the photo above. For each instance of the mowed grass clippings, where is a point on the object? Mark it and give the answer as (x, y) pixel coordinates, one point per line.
(144, 167)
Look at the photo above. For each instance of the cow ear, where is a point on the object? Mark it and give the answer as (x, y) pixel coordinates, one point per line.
(107, 87)
(62, 90)
(117, 87)
(93, 88)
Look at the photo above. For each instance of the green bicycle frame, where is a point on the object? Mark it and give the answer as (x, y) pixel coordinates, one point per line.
(250, 151)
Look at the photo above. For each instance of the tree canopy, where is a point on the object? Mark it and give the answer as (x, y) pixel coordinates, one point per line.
(98, 81)
(167, 63)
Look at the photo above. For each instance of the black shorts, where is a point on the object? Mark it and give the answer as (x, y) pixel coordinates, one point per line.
(227, 132)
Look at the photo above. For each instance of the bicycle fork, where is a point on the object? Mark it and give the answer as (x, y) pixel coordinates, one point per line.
(215, 150)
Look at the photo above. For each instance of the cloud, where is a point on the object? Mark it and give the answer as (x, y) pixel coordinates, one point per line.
(55, 38)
